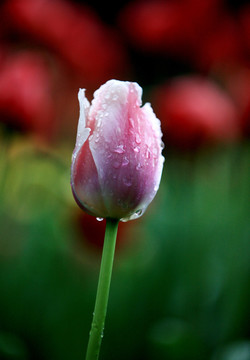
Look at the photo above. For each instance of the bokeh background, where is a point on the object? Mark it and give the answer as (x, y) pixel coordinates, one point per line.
(181, 281)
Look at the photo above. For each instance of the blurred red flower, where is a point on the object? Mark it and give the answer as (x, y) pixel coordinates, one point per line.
(221, 45)
(194, 111)
(25, 93)
(237, 82)
(74, 32)
(168, 26)
(152, 25)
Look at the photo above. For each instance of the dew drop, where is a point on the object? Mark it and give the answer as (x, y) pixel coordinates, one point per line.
(138, 166)
(138, 212)
(127, 181)
(156, 188)
(116, 164)
(119, 149)
(125, 161)
(137, 138)
(131, 121)
(115, 97)
(147, 153)
(97, 139)
(99, 219)
(155, 152)
(136, 149)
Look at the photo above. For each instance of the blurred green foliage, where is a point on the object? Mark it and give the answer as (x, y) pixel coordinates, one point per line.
(181, 284)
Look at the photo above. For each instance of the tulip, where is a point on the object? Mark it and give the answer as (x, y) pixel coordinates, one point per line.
(195, 111)
(117, 161)
(116, 170)
(74, 32)
(25, 94)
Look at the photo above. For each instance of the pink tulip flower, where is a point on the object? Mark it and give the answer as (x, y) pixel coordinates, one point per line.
(117, 161)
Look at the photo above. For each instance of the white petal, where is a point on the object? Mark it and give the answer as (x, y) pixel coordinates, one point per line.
(82, 131)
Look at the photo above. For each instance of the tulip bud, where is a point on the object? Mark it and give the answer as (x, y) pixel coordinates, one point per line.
(117, 161)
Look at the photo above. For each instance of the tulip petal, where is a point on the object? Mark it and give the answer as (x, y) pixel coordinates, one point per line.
(84, 175)
(82, 131)
(85, 183)
(121, 138)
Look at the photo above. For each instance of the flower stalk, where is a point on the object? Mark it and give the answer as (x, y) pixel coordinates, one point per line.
(97, 327)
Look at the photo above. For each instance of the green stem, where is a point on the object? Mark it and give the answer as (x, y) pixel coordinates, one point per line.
(97, 327)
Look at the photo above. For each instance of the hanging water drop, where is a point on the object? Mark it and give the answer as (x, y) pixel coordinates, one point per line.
(99, 219)
(138, 212)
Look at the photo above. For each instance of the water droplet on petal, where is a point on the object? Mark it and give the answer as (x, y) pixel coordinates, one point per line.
(116, 164)
(125, 161)
(137, 149)
(97, 138)
(147, 153)
(119, 149)
(127, 181)
(138, 212)
(155, 152)
(131, 121)
(99, 219)
(137, 138)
